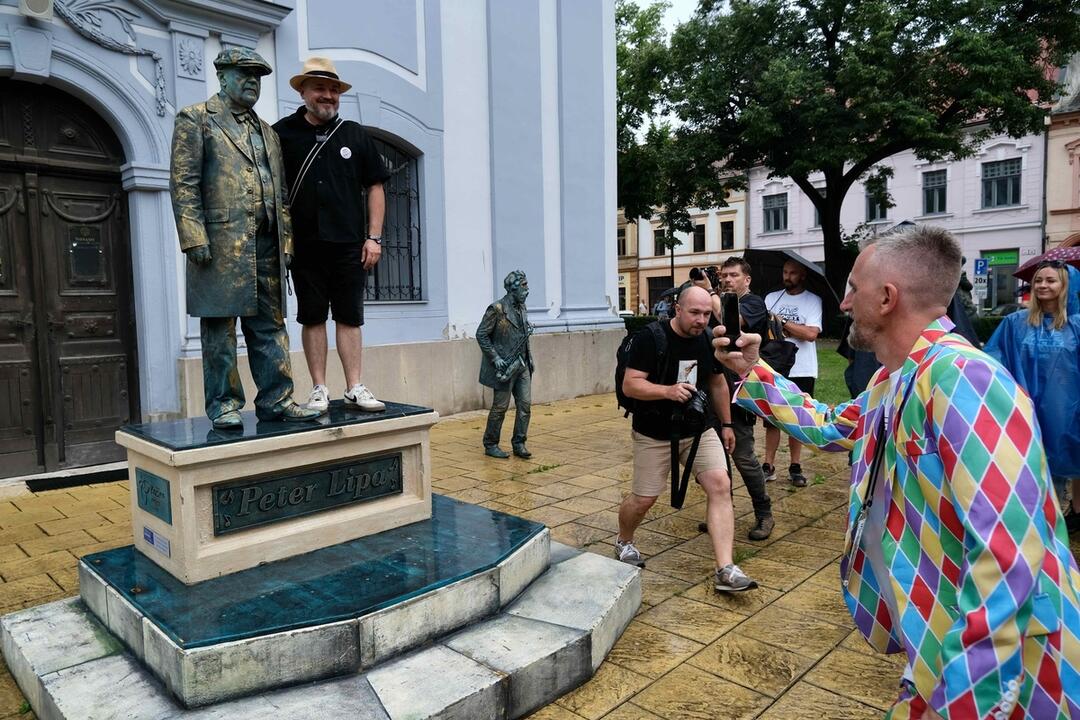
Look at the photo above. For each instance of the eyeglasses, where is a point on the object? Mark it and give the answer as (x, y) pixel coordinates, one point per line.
(1056, 264)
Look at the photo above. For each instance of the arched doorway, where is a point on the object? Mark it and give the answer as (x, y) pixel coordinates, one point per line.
(68, 376)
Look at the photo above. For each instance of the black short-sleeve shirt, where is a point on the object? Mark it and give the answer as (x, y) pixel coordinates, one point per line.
(329, 205)
(655, 420)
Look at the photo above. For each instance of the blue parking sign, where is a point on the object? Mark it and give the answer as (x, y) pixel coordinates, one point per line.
(982, 266)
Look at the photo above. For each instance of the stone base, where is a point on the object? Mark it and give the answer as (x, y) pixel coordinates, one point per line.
(542, 645)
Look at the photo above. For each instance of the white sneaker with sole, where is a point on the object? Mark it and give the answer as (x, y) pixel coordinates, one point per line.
(627, 553)
(319, 398)
(359, 396)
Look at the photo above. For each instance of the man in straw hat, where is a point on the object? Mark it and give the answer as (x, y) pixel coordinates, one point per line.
(331, 164)
(228, 194)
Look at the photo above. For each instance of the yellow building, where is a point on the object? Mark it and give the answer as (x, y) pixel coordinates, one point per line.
(1063, 164)
(645, 270)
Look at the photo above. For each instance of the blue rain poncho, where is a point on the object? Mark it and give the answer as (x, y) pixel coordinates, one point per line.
(1046, 363)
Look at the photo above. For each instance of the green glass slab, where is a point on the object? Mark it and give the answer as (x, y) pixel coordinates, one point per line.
(336, 583)
(191, 433)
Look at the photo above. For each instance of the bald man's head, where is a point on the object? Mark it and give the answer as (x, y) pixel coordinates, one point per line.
(693, 308)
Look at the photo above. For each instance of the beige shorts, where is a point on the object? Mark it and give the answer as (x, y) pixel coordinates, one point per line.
(652, 461)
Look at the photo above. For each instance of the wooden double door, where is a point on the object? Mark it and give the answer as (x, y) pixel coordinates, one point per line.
(68, 373)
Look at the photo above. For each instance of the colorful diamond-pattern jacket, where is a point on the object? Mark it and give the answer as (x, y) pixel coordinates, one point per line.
(978, 556)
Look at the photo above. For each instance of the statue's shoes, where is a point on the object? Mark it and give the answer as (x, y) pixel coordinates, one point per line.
(521, 451)
(297, 413)
(496, 452)
(229, 421)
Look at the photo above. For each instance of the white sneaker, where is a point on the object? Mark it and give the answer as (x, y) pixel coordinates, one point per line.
(319, 398)
(359, 396)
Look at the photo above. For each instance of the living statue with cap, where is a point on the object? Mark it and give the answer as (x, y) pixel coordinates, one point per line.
(335, 177)
(507, 364)
(228, 194)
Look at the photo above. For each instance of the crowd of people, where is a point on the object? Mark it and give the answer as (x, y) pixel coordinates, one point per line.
(965, 463)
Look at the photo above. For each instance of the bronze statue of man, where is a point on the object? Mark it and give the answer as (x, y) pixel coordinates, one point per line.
(228, 194)
(507, 364)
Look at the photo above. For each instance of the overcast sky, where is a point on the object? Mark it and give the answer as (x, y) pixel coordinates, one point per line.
(680, 11)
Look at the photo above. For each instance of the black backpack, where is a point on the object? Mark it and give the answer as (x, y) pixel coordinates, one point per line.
(660, 339)
(775, 350)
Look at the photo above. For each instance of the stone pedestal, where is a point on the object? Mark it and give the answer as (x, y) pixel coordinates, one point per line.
(208, 502)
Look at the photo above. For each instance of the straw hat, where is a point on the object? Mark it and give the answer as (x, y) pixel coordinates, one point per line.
(318, 68)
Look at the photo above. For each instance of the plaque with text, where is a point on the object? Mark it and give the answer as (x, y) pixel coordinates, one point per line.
(153, 494)
(250, 503)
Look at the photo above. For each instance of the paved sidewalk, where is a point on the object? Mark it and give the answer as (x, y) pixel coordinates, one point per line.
(787, 650)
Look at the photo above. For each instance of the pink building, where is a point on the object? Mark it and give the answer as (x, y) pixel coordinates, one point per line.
(993, 203)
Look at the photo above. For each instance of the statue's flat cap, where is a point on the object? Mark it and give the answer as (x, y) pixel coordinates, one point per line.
(242, 57)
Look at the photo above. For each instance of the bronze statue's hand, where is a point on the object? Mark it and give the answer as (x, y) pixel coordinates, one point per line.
(500, 364)
(288, 261)
(200, 255)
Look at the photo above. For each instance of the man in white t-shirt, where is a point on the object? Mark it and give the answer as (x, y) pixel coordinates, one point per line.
(800, 311)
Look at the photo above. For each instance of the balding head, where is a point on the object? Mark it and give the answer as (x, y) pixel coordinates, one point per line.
(693, 308)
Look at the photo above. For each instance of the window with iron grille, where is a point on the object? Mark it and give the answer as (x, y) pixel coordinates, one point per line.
(659, 236)
(727, 235)
(399, 274)
(620, 240)
(775, 209)
(1001, 183)
(699, 238)
(934, 186)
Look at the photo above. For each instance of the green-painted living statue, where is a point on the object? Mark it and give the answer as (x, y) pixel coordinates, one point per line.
(507, 364)
(228, 196)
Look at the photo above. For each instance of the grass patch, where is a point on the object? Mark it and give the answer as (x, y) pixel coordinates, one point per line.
(830, 386)
(819, 479)
(542, 468)
(742, 554)
(24, 708)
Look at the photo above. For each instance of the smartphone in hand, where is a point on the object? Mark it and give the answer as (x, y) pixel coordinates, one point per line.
(729, 306)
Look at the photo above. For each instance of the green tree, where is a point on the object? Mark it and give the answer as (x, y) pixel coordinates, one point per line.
(836, 86)
(641, 50)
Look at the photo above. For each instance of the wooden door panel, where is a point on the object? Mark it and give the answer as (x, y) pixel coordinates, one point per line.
(18, 439)
(19, 404)
(87, 301)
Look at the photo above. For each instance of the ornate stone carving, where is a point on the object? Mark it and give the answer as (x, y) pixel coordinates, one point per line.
(28, 125)
(85, 17)
(190, 57)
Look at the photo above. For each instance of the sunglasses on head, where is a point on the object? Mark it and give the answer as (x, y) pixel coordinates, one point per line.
(1056, 264)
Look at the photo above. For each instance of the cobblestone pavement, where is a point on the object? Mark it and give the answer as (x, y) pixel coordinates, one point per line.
(785, 651)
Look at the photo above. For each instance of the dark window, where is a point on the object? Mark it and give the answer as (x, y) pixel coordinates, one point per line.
(699, 238)
(622, 298)
(620, 240)
(775, 209)
(727, 235)
(1001, 183)
(398, 275)
(659, 236)
(817, 213)
(657, 286)
(875, 210)
(934, 185)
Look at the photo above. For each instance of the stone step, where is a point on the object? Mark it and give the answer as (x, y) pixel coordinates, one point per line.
(544, 644)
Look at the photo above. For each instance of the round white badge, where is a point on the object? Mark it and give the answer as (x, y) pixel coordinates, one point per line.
(346, 153)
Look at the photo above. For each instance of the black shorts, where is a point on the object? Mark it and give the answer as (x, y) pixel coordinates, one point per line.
(806, 384)
(329, 276)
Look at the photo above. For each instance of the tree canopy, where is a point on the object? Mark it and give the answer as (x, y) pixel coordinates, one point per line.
(836, 86)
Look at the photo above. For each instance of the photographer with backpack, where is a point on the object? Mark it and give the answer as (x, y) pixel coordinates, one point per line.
(671, 385)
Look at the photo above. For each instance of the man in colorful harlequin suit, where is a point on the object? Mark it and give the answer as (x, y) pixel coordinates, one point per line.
(956, 550)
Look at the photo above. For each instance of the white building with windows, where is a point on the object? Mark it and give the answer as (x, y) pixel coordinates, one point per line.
(497, 117)
(718, 234)
(992, 202)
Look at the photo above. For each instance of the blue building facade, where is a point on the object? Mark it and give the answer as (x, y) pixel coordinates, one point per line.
(497, 116)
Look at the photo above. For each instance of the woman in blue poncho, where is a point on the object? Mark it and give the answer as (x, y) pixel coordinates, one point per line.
(1041, 348)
